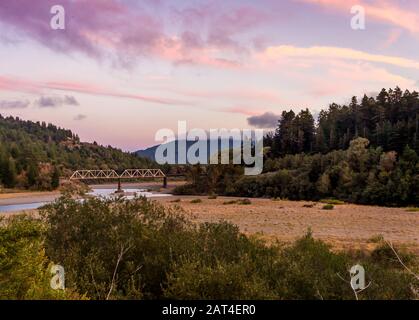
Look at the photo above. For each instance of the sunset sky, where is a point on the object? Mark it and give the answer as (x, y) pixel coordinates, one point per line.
(121, 70)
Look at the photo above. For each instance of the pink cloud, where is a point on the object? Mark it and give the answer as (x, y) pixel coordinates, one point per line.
(18, 85)
(380, 10)
(127, 31)
(248, 111)
(272, 54)
(392, 38)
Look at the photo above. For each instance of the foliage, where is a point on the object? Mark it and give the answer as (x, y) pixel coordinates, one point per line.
(360, 174)
(119, 249)
(332, 201)
(24, 267)
(389, 121)
(34, 154)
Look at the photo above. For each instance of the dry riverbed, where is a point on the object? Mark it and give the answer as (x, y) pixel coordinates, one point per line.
(347, 226)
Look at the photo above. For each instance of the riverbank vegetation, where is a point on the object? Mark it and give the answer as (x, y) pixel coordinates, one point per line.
(118, 249)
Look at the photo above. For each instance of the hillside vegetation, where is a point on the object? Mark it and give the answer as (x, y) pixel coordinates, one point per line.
(34, 155)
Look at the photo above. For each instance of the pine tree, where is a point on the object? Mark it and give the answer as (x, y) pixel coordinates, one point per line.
(55, 179)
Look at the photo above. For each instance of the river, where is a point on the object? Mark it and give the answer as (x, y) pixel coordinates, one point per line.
(105, 193)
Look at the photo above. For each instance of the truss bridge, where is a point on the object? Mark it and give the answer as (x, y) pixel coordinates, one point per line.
(112, 174)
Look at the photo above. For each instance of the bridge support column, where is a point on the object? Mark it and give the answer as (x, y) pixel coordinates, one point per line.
(165, 182)
(119, 187)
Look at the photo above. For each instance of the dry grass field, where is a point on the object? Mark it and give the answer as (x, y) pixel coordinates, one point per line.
(347, 226)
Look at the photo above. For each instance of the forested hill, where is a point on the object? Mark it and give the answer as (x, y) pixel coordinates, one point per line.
(390, 120)
(33, 154)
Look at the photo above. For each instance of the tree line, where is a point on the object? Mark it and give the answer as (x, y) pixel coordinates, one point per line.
(390, 120)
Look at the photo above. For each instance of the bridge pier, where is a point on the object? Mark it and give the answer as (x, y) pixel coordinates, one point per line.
(119, 187)
(165, 182)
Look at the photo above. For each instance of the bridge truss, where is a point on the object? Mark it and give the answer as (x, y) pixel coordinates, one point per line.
(112, 174)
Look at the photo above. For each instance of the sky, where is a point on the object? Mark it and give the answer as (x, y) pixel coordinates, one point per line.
(123, 69)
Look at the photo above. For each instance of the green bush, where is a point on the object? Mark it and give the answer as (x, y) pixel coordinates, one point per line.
(89, 239)
(328, 207)
(24, 267)
(196, 201)
(332, 201)
(194, 280)
(244, 202)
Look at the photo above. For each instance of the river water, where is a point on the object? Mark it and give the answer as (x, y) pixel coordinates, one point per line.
(105, 193)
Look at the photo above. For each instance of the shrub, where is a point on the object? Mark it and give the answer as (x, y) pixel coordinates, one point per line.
(311, 205)
(212, 197)
(176, 201)
(196, 201)
(328, 207)
(308, 269)
(194, 280)
(138, 249)
(24, 267)
(376, 238)
(244, 202)
(91, 238)
(332, 201)
(230, 202)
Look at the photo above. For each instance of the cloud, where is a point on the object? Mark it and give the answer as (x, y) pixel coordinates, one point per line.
(268, 120)
(79, 117)
(110, 29)
(241, 110)
(384, 11)
(53, 102)
(27, 86)
(288, 51)
(393, 36)
(13, 104)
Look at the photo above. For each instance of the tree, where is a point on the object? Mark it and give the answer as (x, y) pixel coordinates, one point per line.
(55, 179)
(9, 173)
(33, 174)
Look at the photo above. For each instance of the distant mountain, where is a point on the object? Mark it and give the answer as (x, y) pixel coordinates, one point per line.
(149, 153)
